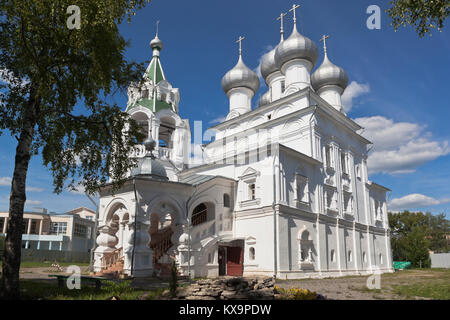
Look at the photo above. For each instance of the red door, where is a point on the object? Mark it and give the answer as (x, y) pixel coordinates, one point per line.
(234, 261)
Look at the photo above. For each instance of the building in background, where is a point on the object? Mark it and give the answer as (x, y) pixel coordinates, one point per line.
(43, 230)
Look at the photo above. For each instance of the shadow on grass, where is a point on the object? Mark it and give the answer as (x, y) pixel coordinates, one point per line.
(49, 290)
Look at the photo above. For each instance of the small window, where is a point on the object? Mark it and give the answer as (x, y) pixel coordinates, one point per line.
(328, 156)
(283, 86)
(364, 257)
(252, 191)
(381, 258)
(199, 215)
(332, 256)
(226, 201)
(252, 253)
(350, 257)
(343, 162)
(210, 257)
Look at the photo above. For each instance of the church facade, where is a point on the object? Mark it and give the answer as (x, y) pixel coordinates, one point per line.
(283, 190)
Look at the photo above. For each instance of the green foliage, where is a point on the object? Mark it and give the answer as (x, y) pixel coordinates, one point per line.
(70, 77)
(415, 233)
(173, 283)
(423, 15)
(118, 288)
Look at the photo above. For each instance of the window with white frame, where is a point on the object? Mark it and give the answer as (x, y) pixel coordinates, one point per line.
(251, 191)
(348, 203)
(344, 166)
(301, 188)
(331, 199)
(251, 253)
(80, 230)
(328, 161)
(58, 228)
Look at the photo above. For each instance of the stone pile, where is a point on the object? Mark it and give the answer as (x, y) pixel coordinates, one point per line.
(230, 289)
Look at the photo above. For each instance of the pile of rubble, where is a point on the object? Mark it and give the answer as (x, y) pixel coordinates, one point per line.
(230, 289)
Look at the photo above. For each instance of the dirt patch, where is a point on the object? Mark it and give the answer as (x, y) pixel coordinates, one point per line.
(355, 288)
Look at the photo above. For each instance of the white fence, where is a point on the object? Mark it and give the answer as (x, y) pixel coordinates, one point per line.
(440, 260)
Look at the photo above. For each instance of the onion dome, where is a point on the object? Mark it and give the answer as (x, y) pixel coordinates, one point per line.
(329, 74)
(268, 64)
(296, 47)
(265, 99)
(156, 43)
(149, 166)
(240, 76)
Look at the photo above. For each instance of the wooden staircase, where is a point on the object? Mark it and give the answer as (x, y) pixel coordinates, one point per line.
(112, 264)
(161, 243)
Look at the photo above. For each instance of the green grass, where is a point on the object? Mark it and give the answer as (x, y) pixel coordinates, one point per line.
(439, 291)
(45, 290)
(35, 264)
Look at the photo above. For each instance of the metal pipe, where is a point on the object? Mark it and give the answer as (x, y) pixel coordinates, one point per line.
(135, 228)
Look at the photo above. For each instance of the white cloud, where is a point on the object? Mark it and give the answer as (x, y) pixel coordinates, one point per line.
(217, 120)
(34, 189)
(399, 147)
(266, 50)
(412, 201)
(5, 181)
(353, 91)
(33, 202)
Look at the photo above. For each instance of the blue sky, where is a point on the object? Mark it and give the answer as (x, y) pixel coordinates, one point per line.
(398, 85)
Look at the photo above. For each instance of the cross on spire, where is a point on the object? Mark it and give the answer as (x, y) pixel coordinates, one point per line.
(157, 27)
(282, 15)
(240, 44)
(294, 7)
(324, 40)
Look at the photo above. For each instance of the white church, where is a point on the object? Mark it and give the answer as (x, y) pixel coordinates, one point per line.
(283, 190)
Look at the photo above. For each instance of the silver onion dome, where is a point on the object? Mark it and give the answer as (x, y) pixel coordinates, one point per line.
(240, 76)
(268, 64)
(149, 166)
(265, 99)
(156, 43)
(329, 74)
(296, 47)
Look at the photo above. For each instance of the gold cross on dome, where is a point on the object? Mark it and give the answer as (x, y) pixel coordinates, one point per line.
(157, 27)
(324, 40)
(294, 7)
(240, 44)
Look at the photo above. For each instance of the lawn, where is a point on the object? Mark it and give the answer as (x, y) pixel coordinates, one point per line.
(48, 290)
(37, 264)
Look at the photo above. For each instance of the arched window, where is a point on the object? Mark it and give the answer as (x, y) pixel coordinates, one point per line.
(252, 253)
(332, 256)
(199, 215)
(381, 258)
(226, 200)
(364, 257)
(350, 258)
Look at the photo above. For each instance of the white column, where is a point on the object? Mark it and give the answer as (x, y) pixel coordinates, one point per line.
(274, 81)
(5, 226)
(29, 226)
(298, 74)
(49, 245)
(240, 100)
(60, 245)
(41, 222)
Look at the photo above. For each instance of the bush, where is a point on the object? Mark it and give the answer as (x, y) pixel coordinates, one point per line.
(173, 284)
(296, 294)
